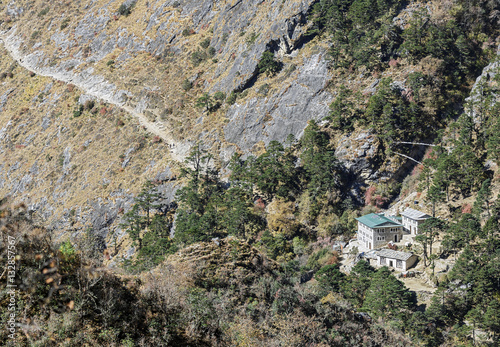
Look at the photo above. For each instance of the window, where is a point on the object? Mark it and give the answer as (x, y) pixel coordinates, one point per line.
(382, 261)
(380, 238)
(399, 264)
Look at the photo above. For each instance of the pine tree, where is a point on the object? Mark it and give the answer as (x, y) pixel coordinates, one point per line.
(387, 296)
(483, 199)
(134, 224)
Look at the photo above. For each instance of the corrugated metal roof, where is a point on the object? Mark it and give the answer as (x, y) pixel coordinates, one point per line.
(374, 220)
(414, 214)
(389, 253)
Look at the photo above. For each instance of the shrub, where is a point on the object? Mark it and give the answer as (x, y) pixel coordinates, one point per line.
(205, 43)
(268, 65)
(78, 111)
(211, 51)
(219, 96)
(125, 10)
(65, 23)
(187, 85)
(263, 89)
(231, 99)
(110, 62)
(43, 12)
(198, 57)
(187, 32)
(35, 34)
(89, 104)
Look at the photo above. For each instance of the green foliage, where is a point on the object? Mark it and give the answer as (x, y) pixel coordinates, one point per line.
(205, 43)
(219, 96)
(35, 34)
(358, 282)
(77, 112)
(200, 201)
(330, 278)
(393, 116)
(342, 110)
(231, 99)
(67, 249)
(361, 30)
(205, 101)
(44, 12)
(322, 169)
(187, 85)
(274, 245)
(273, 172)
(198, 57)
(483, 199)
(387, 296)
(211, 52)
(268, 65)
(65, 23)
(314, 262)
(125, 10)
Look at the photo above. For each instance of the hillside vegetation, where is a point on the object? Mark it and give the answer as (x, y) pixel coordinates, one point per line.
(178, 173)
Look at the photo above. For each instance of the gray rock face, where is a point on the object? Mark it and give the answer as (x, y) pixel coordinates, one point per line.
(476, 98)
(281, 37)
(356, 153)
(4, 98)
(286, 112)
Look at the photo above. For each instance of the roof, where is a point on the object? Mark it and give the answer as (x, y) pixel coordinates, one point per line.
(415, 214)
(389, 253)
(374, 220)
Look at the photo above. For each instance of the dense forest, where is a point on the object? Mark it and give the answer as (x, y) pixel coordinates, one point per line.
(244, 256)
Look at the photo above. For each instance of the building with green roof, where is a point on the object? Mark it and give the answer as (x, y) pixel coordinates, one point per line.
(376, 230)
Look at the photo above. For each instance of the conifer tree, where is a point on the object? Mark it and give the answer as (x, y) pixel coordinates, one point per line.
(387, 296)
(483, 199)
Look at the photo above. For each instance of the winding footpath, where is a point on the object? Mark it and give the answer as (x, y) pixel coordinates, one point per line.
(92, 85)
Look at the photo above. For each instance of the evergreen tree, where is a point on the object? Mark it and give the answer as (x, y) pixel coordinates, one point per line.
(274, 171)
(387, 296)
(483, 199)
(330, 278)
(205, 101)
(358, 282)
(200, 200)
(134, 224)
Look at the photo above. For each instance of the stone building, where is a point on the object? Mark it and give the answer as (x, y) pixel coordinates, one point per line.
(395, 259)
(411, 220)
(376, 230)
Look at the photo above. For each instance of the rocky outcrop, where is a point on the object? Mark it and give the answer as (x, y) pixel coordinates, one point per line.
(478, 98)
(285, 112)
